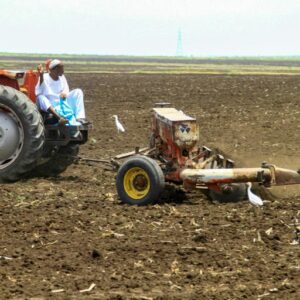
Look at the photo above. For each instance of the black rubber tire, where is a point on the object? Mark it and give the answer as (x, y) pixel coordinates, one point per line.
(33, 129)
(238, 193)
(58, 163)
(155, 174)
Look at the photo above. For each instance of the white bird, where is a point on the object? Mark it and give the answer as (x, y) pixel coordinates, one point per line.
(254, 199)
(119, 126)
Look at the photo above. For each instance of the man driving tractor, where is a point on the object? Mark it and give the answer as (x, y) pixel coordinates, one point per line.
(54, 96)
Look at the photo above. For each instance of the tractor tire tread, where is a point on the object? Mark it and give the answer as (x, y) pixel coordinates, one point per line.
(34, 134)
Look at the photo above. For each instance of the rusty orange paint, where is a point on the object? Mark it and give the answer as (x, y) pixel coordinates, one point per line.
(31, 80)
(24, 81)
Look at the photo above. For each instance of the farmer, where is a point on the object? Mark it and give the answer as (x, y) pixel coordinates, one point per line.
(54, 96)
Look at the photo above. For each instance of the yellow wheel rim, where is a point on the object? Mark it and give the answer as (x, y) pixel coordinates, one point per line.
(136, 183)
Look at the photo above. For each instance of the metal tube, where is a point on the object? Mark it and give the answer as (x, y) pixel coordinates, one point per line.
(269, 176)
(286, 176)
(214, 176)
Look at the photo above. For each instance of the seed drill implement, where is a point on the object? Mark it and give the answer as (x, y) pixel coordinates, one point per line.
(175, 156)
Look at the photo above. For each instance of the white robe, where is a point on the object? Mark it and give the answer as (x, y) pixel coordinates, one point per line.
(48, 94)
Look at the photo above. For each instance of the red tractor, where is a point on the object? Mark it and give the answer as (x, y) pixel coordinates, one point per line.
(26, 142)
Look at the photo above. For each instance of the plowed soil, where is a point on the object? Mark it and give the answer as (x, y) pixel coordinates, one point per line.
(61, 236)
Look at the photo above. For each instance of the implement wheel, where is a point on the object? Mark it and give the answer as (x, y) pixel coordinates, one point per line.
(140, 181)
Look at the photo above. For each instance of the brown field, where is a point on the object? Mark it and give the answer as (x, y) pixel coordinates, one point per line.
(64, 234)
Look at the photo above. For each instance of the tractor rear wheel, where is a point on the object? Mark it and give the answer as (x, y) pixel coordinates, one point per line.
(140, 181)
(21, 134)
(59, 162)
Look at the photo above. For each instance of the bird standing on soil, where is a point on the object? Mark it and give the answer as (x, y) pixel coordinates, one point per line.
(255, 200)
(119, 126)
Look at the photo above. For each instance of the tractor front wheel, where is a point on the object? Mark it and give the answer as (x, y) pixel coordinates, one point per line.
(140, 181)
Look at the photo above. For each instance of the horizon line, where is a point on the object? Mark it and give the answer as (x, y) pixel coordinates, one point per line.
(183, 57)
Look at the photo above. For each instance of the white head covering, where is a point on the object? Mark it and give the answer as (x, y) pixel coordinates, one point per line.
(54, 63)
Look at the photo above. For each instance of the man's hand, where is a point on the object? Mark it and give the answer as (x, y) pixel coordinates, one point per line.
(63, 121)
(63, 95)
(40, 69)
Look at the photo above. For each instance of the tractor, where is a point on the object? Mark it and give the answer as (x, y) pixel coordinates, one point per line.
(174, 156)
(29, 144)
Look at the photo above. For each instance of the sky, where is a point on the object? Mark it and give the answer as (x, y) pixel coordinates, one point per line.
(151, 27)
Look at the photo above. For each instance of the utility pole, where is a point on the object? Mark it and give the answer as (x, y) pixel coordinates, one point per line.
(179, 50)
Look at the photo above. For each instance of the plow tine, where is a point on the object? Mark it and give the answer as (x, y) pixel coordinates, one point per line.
(214, 164)
(206, 162)
(207, 152)
(229, 163)
(220, 160)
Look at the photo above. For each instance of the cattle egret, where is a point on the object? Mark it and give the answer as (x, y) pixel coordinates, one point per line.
(119, 126)
(255, 200)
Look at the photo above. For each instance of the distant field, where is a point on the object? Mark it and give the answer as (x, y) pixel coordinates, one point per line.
(159, 65)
